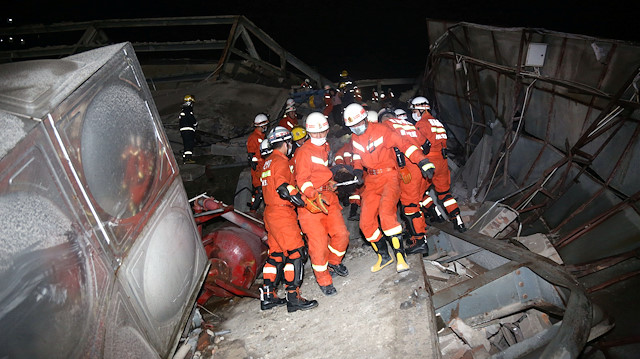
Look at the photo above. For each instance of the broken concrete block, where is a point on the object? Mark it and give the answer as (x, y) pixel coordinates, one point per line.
(493, 219)
(473, 337)
(534, 322)
(539, 243)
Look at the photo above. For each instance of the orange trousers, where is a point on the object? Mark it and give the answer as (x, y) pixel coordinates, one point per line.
(410, 196)
(283, 235)
(327, 237)
(441, 182)
(380, 196)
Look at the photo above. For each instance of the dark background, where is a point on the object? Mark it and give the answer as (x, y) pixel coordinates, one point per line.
(374, 39)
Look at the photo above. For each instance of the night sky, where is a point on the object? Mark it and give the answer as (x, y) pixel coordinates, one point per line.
(375, 39)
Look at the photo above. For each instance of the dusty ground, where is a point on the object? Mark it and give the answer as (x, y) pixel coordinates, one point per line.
(374, 315)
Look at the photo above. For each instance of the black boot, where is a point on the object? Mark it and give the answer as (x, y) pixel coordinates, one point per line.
(339, 269)
(433, 214)
(458, 224)
(295, 302)
(384, 259)
(269, 298)
(417, 244)
(328, 290)
(399, 253)
(353, 212)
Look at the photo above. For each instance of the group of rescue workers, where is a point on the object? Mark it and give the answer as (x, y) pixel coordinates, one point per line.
(388, 159)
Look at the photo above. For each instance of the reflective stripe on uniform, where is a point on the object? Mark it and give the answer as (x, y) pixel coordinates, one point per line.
(449, 202)
(411, 150)
(356, 157)
(336, 252)
(357, 146)
(347, 154)
(338, 158)
(374, 236)
(289, 267)
(392, 231)
(265, 174)
(375, 144)
(319, 161)
(426, 202)
(354, 196)
(320, 268)
(187, 129)
(305, 186)
(269, 270)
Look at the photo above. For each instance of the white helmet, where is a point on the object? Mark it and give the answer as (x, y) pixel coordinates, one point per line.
(265, 148)
(261, 120)
(372, 116)
(420, 103)
(290, 102)
(354, 114)
(316, 122)
(278, 134)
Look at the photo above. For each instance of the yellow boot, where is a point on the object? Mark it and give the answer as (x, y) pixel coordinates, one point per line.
(398, 251)
(384, 259)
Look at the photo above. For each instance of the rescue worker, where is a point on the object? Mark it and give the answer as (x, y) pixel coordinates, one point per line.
(328, 102)
(344, 156)
(347, 88)
(373, 149)
(286, 247)
(411, 183)
(321, 221)
(401, 114)
(299, 136)
(188, 124)
(435, 147)
(290, 119)
(260, 122)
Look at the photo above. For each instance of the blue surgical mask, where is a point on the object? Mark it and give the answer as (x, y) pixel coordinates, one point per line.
(358, 130)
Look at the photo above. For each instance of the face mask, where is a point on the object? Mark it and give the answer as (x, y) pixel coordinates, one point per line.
(318, 141)
(416, 116)
(358, 130)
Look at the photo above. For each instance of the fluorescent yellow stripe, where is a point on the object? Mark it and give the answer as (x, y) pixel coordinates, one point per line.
(393, 231)
(374, 237)
(336, 252)
(305, 186)
(269, 270)
(320, 268)
(441, 130)
(355, 196)
(266, 174)
(411, 150)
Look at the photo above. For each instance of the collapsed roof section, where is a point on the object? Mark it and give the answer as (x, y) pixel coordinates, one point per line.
(166, 57)
(548, 124)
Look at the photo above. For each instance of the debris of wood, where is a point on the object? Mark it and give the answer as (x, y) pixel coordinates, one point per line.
(473, 337)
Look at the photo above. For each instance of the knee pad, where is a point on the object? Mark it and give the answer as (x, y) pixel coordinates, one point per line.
(298, 267)
(279, 264)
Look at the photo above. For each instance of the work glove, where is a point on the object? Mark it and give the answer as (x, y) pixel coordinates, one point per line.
(426, 147)
(427, 168)
(405, 174)
(316, 204)
(359, 176)
(291, 194)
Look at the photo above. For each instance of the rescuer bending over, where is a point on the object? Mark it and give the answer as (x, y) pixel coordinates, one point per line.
(436, 150)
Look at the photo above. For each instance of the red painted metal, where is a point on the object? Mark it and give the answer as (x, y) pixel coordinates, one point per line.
(236, 250)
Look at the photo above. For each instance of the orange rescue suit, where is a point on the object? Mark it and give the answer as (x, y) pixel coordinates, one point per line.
(327, 234)
(253, 149)
(280, 218)
(381, 192)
